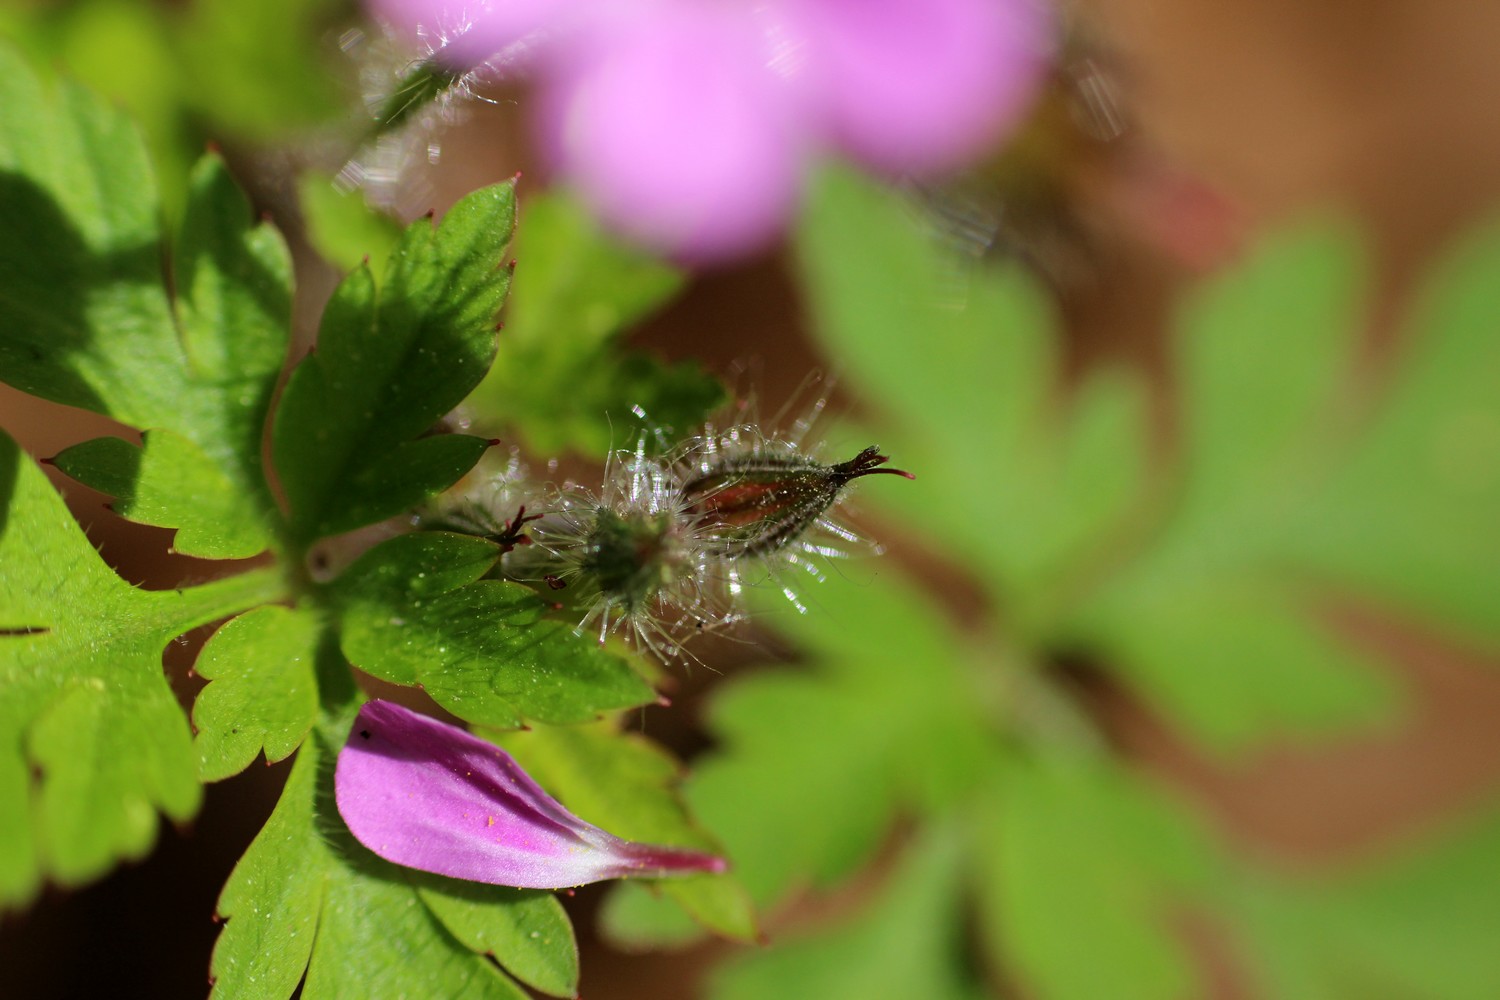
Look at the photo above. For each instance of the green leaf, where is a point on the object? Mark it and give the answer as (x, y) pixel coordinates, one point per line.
(171, 483)
(904, 943)
(623, 783)
(561, 377)
(261, 69)
(888, 714)
(233, 309)
(307, 897)
(414, 610)
(1212, 618)
(1408, 517)
(638, 917)
(580, 281)
(263, 691)
(1007, 479)
(348, 437)
(84, 319)
(1078, 859)
(233, 280)
(342, 227)
(84, 314)
(92, 742)
(123, 52)
(1413, 923)
(529, 932)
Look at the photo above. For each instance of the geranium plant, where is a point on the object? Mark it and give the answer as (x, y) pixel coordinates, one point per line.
(447, 645)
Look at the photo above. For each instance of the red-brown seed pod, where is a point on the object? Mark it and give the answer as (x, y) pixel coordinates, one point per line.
(756, 504)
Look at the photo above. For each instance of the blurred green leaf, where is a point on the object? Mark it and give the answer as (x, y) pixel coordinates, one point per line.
(262, 690)
(561, 376)
(123, 51)
(887, 714)
(1206, 619)
(638, 917)
(627, 785)
(1411, 924)
(307, 896)
(342, 227)
(1212, 618)
(348, 438)
(414, 609)
(1077, 863)
(92, 742)
(904, 943)
(1409, 517)
(261, 69)
(961, 366)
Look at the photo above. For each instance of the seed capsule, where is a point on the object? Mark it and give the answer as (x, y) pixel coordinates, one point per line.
(754, 505)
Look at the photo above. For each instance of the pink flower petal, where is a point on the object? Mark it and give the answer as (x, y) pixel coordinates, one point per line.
(917, 86)
(431, 796)
(669, 122)
(467, 34)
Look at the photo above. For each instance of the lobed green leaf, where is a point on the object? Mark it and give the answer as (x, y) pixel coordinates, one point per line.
(85, 317)
(527, 931)
(1211, 618)
(1407, 517)
(962, 368)
(263, 692)
(92, 742)
(349, 437)
(1077, 863)
(841, 747)
(169, 482)
(414, 610)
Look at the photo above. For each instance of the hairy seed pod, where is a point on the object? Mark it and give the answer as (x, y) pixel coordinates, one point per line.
(669, 542)
(628, 558)
(755, 505)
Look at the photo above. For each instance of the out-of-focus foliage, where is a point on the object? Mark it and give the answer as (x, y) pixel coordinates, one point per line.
(1300, 479)
(198, 71)
(342, 227)
(563, 380)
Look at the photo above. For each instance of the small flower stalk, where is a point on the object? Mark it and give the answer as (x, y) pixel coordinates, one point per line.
(430, 796)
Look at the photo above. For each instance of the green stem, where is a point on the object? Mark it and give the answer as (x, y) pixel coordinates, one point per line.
(210, 602)
(418, 90)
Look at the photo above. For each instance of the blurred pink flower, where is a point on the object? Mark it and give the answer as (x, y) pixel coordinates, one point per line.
(430, 796)
(687, 124)
(920, 86)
